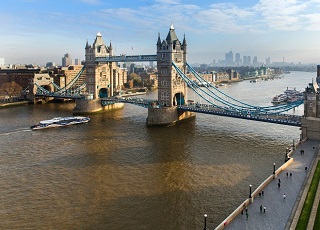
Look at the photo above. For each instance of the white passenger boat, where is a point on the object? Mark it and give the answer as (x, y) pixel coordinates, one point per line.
(60, 121)
(281, 98)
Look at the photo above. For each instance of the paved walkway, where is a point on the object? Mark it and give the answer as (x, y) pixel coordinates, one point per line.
(279, 211)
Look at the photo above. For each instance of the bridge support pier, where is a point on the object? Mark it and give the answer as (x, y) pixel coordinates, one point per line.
(167, 116)
(94, 106)
(310, 128)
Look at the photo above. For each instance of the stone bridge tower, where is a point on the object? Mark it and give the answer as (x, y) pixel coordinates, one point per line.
(99, 76)
(310, 127)
(172, 90)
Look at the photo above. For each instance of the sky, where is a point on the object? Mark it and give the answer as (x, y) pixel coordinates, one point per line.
(39, 31)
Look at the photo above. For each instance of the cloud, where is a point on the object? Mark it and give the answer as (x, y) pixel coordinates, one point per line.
(282, 15)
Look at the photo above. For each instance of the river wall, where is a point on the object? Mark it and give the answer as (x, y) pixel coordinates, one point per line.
(256, 192)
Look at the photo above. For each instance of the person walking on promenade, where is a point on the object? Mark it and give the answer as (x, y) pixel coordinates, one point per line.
(279, 180)
(287, 174)
(290, 174)
(264, 209)
(260, 208)
(247, 215)
(284, 196)
(278, 185)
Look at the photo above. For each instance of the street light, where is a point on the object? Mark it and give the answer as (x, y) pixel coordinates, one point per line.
(274, 168)
(205, 222)
(250, 191)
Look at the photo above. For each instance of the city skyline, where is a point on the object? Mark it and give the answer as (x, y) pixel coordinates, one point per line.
(40, 31)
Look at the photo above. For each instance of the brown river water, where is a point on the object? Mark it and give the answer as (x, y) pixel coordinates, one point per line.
(116, 173)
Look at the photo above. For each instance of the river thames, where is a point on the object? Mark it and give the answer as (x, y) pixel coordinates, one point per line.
(116, 173)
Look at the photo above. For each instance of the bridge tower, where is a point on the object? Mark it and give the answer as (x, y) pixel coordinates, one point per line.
(310, 122)
(102, 78)
(172, 90)
(99, 75)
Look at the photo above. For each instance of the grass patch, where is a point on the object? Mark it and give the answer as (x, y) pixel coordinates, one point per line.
(317, 220)
(307, 206)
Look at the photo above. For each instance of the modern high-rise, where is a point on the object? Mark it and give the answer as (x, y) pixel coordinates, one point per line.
(2, 61)
(66, 60)
(247, 60)
(255, 61)
(229, 58)
(268, 61)
(238, 61)
(77, 61)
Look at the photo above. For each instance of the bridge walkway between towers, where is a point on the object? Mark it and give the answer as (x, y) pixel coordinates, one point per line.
(279, 210)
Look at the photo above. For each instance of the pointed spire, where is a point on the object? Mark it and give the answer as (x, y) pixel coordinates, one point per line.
(171, 27)
(159, 40)
(171, 37)
(110, 45)
(87, 44)
(184, 42)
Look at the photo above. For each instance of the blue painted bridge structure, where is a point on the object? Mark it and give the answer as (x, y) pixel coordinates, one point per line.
(216, 101)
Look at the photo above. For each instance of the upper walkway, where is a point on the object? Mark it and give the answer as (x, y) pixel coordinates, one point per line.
(279, 210)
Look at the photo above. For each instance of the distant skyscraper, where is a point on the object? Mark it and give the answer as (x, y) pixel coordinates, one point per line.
(229, 58)
(237, 59)
(268, 61)
(247, 60)
(2, 61)
(77, 61)
(255, 61)
(66, 60)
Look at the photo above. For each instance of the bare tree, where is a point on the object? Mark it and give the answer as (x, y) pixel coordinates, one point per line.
(10, 89)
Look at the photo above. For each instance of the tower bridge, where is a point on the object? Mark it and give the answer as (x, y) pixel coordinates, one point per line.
(104, 79)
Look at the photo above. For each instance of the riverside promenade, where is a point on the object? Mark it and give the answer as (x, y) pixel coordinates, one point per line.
(281, 211)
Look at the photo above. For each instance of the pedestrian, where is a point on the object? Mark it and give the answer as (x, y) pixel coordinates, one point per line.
(287, 174)
(264, 209)
(247, 216)
(262, 192)
(290, 174)
(260, 208)
(305, 168)
(278, 185)
(284, 196)
(259, 194)
(246, 210)
(279, 180)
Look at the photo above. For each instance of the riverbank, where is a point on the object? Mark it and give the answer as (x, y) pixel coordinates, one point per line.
(12, 104)
(281, 194)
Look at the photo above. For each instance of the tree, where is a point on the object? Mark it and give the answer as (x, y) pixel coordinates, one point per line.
(10, 89)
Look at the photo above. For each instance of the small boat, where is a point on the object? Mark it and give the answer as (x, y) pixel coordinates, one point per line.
(59, 122)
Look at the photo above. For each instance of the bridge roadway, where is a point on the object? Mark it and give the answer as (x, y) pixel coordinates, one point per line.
(281, 213)
(283, 119)
(291, 120)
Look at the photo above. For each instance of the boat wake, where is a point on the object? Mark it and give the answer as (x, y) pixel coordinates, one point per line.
(16, 131)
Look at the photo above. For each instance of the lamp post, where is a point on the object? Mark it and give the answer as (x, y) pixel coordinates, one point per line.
(250, 186)
(205, 222)
(274, 168)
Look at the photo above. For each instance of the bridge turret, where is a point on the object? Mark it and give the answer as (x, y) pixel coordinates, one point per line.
(172, 90)
(311, 120)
